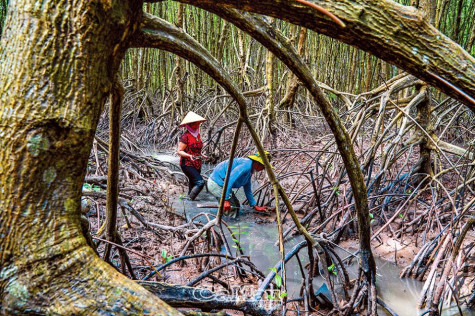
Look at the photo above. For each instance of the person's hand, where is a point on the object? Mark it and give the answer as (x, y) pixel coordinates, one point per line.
(227, 206)
(261, 208)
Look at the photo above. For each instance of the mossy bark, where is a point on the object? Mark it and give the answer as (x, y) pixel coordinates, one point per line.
(57, 64)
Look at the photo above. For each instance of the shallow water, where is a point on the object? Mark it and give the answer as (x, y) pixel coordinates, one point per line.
(401, 295)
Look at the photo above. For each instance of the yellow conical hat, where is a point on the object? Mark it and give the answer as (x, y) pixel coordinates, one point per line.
(192, 117)
(257, 157)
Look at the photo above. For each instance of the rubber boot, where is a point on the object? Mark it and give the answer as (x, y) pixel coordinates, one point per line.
(235, 205)
(195, 191)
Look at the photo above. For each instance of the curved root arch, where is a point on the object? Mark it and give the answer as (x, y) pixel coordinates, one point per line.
(161, 34)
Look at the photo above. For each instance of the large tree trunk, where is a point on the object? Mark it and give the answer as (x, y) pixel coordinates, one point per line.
(57, 64)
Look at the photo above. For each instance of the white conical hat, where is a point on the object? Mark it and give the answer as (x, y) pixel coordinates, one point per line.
(192, 117)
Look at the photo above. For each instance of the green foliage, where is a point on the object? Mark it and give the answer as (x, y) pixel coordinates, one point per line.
(372, 217)
(165, 258)
(278, 278)
(336, 189)
(88, 187)
(278, 283)
(236, 235)
(332, 269)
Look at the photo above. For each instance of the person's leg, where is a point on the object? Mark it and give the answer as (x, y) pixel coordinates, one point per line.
(214, 189)
(196, 181)
(217, 190)
(199, 184)
(189, 175)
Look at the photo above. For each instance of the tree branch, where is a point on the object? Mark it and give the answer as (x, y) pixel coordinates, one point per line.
(395, 33)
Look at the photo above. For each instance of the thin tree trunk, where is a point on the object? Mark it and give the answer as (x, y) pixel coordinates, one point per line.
(115, 110)
(288, 100)
(269, 107)
(179, 73)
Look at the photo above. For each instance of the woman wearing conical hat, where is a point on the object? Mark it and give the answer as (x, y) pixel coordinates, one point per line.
(189, 150)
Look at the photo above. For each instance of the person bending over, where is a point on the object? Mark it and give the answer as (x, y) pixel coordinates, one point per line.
(241, 172)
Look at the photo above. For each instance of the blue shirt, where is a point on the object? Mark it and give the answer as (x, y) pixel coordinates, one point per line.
(240, 177)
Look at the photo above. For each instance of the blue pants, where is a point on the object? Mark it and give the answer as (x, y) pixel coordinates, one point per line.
(194, 177)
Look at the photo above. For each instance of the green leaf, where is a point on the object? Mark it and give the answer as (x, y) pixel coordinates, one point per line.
(86, 186)
(232, 227)
(273, 269)
(164, 253)
(283, 294)
(169, 258)
(235, 240)
(336, 189)
(278, 280)
(371, 215)
(245, 227)
(332, 269)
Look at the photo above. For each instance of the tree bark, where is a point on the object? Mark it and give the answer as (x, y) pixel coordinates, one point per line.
(270, 92)
(179, 72)
(191, 297)
(115, 112)
(58, 61)
(288, 100)
(390, 31)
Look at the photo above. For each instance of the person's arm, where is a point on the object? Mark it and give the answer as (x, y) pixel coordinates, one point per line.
(181, 151)
(248, 191)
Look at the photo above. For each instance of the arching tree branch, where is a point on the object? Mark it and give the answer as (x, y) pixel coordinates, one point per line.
(161, 34)
(395, 33)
